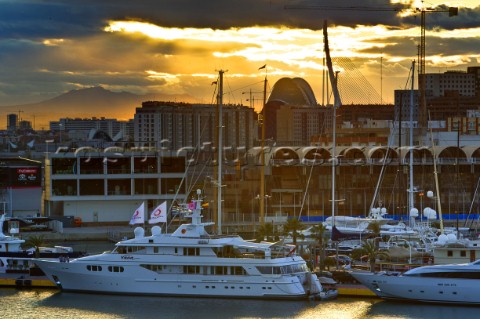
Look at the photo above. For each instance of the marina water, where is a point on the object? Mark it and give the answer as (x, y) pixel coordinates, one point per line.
(51, 303)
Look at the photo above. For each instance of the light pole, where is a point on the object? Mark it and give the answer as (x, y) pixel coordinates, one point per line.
(267, 197)
(48, 142)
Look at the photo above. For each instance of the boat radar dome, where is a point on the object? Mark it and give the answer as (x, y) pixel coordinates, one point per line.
(414, 212)
(442, 239)
(139, 232)
(451, 238)
(156, 231)
(429, 213)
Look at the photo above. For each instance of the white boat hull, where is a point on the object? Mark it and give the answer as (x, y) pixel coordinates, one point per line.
(410, 288)
(135, 280)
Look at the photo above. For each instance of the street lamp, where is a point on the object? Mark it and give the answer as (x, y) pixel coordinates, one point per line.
(266, 204)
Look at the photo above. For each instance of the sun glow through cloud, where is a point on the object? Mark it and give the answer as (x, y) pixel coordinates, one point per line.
(297, 47)
(289, 52)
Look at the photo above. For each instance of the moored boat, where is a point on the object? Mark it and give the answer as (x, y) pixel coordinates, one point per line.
(454, 283)
(189, 262)
(15, 259)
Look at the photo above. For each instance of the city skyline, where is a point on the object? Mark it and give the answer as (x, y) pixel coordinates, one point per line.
(177, 47)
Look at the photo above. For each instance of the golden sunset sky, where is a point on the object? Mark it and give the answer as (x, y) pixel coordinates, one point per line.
(177, 46)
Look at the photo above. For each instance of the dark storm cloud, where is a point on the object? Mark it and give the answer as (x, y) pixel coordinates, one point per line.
(440, 17)
(403, 47)
(68, 18)
(41, 19)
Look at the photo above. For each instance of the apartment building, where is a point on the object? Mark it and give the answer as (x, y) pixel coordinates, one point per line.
(170, 125)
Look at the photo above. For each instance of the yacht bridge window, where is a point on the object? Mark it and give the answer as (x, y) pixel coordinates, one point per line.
(450, 274)
(278, 270)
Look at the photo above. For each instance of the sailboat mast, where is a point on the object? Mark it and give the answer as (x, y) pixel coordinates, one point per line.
(334, 164)
(410, 195)
(262, 153)
(337, 102)
(220, 148)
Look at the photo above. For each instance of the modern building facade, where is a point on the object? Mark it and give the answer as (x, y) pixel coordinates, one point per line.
(102, 186)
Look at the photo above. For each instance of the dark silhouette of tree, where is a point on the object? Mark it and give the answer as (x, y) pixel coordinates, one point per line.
(371, 249)
(293, 227)
(265, 232)
(319, 233)
(36, 242)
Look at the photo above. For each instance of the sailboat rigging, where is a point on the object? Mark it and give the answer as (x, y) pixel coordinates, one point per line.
(336, 103)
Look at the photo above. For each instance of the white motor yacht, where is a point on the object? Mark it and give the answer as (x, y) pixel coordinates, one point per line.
(15, 259)
(454, 283)
(189, 262)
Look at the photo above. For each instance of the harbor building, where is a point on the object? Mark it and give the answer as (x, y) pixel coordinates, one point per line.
(108, 185)
(20, 179)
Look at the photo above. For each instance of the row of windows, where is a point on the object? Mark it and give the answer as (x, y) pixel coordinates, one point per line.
(282, 270)
(115, 269)
(201, 270)
(94, 268)
(451, 275)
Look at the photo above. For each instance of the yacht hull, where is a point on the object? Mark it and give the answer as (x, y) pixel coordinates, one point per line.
(134, 280)
(421, 289)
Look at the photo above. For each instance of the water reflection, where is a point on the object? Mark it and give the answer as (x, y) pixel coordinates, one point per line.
(52, 304)
(390, 309)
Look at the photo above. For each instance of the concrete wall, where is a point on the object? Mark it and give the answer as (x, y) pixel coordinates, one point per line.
(103, 211)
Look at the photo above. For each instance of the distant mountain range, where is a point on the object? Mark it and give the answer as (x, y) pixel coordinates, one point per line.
(87, 103)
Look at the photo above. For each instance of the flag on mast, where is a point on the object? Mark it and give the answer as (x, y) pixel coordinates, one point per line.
(159, 214)
(139, 215)
(262, 67)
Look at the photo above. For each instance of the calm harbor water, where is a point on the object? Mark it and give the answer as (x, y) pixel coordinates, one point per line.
(50, 304)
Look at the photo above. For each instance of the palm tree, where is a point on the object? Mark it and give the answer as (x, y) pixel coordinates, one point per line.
(293, 227)
(265, 230)
(371, 250)
(374, 227)
(318, 232)
(35, 242)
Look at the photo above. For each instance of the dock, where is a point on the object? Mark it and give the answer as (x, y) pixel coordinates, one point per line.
(354, 290)
(25, 281)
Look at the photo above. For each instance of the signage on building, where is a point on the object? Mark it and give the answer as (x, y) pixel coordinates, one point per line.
(27, 176)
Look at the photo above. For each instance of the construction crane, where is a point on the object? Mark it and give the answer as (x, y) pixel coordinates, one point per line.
(452, 11)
